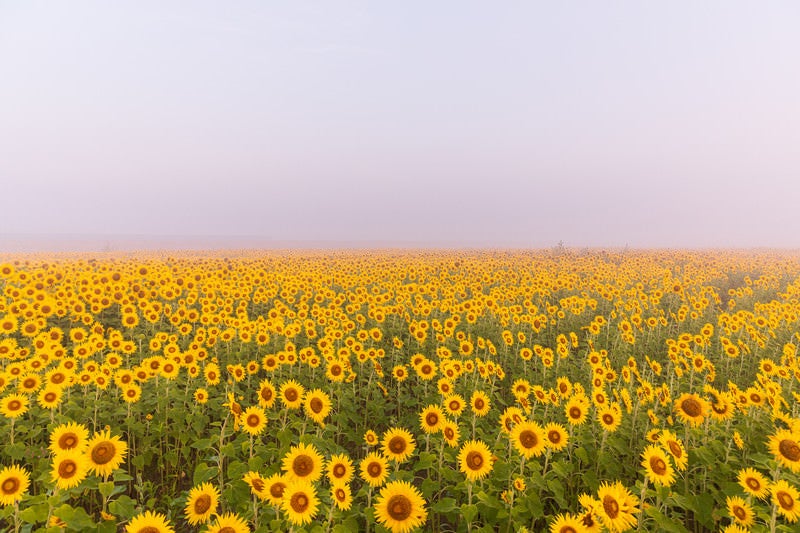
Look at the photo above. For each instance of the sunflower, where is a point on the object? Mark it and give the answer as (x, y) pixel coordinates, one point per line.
(212, 373)
(14, 405)
(303, 462)
(475, 460)
(70, 436)
(201, 504)
(691, 408)
(317, 405)
(450, 433)
(400, 507)
(201, 395)
(431, 419)
(49, 397)
(340, 469)
(69, 469)
(454, 404)
(529, 439)
(257, 484)
(374, 469)
(754, 483)
(674, 446)
(480, 403)
(291, 393)
(398, 444)
(577, 409)
(228, 523)
(300, 502)
(556, 436)
(105, 453)
(253, 420)
(266, 394)
(149, 522)
(617, 506)
(609, 418)
(342, 496)
(370, 438)
(784, 447)
(657, 466)
(14, 481)
(274, 486)
(567, 523)
(740, 510)
(131, 393)
(786, 500)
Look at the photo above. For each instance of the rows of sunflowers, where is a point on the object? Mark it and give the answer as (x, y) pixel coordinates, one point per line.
(336, 391)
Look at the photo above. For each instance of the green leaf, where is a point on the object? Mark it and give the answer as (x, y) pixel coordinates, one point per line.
(469, 512)
(201, 444)
(203, 473)
(445, 505)
(123, 507)
(106, 488)
(664, 522)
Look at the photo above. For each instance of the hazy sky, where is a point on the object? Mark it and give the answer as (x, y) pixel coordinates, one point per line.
(467, 123)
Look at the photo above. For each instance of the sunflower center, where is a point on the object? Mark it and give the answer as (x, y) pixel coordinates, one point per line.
(611, 506)
(397, 444)
(253, 420)
(528, 439)
(339, 470)
(202, 504)
(340, 494)
(789, 449)
(785, 500)
(102, 453)
(567, 529)
(316, 405)
(276, 490)
(479, 404)
(739, 513)
(753, 483)
(475, 459)
(148, 529)
(449, 433)
(399, 507)
(374, 469)
(608, 419)
(266, 394)
(14, 405)
(432, 419)
(691, 407)
(227, 529)
(10, 485)
(50, 397)
(675, 448)
(291, 395)
(658, 466)
(299, 502)
(554, 436)
(67, 469)
(455, 405)
(68, 441)
(303, 465)
(575, 412)
(258, 484)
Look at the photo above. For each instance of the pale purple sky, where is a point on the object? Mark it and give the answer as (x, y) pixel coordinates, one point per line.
(651, 124)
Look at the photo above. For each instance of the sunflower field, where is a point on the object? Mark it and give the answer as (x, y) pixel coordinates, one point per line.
(339, 391)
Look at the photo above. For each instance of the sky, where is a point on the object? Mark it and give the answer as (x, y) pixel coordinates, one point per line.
(448, 123)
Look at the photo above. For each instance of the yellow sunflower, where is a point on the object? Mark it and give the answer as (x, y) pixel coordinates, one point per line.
(431, 419)
(14, 481)
(70, 436)
(618, 507)
(300, 502)
(480, 403)
(529, 439)
(557, 436)
(454, 404)
(740, 510)
(691, 409)
(303, 462)
(577, 409)
(253, 420)
(374, 469)
(105, 453)
(257, 484)
(266, 394)
(567, 523)
(370, 437)
(398, 444)
(475, 460)
(674, 446)
(317, 406)
(400, 507)
(754, 483)
(451, 433)
(657, 466)
(609, 418)
(201, 504)
(149, 522)
(275, 485)
(342, 496)
(69, 469)
(291, 393)
(340, 469)
(784, 447)
(786, 500)
(14, 405)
